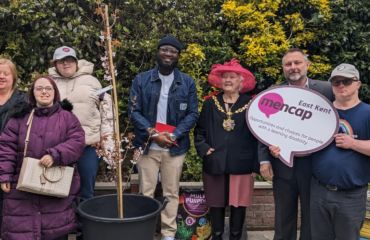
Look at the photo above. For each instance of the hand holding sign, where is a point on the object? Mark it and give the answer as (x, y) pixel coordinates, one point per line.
(274, 151)
(297, 120)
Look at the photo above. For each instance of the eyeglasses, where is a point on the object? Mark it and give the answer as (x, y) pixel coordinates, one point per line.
(345, 82)
(47, 89)
(168, 50)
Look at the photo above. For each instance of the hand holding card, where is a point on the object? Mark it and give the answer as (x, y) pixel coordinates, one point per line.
(161, 127)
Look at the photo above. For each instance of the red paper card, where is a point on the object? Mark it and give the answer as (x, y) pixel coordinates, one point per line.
(161, 127)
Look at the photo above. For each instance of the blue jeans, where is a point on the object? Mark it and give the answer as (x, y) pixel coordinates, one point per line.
(88, 166)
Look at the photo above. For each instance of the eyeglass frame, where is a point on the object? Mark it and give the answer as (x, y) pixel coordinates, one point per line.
(173, 51)
(345, 81)
(41, 89)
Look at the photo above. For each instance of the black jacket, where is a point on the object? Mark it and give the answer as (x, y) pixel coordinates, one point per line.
(236, 150)
(13, 106)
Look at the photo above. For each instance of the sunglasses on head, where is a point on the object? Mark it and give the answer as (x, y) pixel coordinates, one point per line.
(345, 82)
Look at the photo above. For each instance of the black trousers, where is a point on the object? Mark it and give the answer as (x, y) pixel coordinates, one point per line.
(286, 195)
(237, 217)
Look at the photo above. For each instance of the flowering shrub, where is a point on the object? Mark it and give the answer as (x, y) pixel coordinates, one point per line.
(266, 34)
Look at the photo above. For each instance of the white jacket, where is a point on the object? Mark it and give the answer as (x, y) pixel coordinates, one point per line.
(81, 90)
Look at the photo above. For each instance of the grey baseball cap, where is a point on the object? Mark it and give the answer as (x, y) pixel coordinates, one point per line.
(345, 70)
(63, 52)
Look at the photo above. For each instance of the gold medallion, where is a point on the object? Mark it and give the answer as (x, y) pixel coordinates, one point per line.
(228, 124)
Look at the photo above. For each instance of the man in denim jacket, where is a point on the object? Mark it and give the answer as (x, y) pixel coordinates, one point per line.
(163, 96)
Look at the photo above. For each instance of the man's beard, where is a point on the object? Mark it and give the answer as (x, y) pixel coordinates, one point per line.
(296, 77)
(166, 67)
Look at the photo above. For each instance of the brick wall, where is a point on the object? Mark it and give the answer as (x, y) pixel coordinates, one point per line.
(260, 216)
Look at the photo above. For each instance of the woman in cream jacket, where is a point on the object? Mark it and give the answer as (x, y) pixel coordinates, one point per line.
(93, 109)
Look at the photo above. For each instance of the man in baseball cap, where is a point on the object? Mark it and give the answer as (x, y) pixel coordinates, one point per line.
(65, 61)
(76, 83)
(345, 70)
(341, 170)
(63, 52)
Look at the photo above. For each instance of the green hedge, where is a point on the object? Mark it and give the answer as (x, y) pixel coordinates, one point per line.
(212, 30)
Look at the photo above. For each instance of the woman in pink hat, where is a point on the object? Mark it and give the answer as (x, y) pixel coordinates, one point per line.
(227, 147)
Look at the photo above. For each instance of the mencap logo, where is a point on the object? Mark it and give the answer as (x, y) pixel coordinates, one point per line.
(66, 50)
(272, 103)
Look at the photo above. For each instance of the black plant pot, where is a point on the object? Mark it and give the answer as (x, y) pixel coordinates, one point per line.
(100, 220)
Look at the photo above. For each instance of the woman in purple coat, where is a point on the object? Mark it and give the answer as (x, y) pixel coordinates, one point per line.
(57, 139)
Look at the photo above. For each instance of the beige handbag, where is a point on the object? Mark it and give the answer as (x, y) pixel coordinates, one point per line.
(35, 178)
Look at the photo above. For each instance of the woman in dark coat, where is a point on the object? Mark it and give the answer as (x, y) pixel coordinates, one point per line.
(227, 147)
(10, 99)
(57, 139)
(10, 96)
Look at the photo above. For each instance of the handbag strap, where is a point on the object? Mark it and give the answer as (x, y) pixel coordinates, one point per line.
(28, 124)
(43, 177)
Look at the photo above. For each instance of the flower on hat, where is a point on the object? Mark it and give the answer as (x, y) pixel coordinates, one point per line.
(214, 77)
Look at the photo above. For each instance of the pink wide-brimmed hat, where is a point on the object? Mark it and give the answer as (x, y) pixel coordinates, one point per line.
(214, 77)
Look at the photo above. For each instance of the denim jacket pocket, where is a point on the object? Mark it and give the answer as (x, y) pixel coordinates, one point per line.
(181, 107)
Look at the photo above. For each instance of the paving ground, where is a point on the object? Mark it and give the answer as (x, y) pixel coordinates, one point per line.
(260, 235)
(252, 235)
